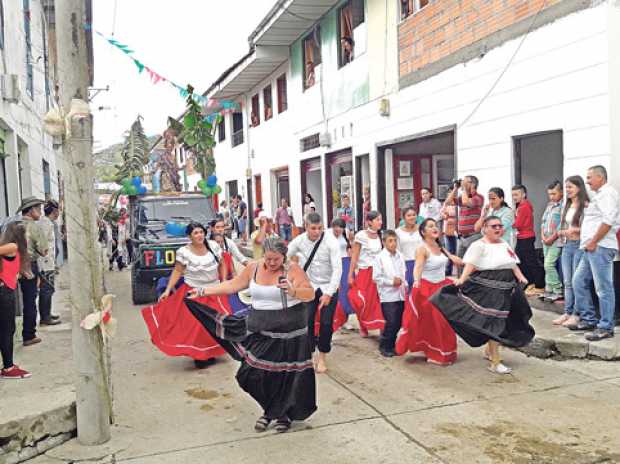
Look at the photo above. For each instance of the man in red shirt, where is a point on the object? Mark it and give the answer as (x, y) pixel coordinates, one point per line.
(524, 224)
(470, 204)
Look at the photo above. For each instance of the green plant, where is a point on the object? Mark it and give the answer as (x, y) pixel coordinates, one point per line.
(134, 153)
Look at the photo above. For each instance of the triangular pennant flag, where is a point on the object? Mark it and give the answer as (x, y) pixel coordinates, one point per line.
(139, 65)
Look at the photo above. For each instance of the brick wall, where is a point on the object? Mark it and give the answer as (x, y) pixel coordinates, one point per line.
(447, 26)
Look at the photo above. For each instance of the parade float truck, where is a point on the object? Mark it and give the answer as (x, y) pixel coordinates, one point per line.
(157, 228)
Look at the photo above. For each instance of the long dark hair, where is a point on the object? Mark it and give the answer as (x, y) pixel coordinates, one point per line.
(306, 196)
(422, 229)
(16, 233)
(196, 225)
(582, 196)
(500, 194)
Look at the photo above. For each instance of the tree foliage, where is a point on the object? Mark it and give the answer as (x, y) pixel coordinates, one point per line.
(134, 153)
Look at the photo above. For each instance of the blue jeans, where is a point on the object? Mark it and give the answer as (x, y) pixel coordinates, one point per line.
(450, 244)
(571, 256)
(286, 232)
(596, 267)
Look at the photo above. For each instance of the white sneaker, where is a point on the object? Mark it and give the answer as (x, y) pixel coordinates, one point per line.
(500, 368)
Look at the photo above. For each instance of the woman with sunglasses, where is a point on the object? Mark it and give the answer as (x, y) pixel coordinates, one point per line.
(172, 327)
(487, 304)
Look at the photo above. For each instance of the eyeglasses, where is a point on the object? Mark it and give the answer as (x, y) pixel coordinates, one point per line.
(496, 226)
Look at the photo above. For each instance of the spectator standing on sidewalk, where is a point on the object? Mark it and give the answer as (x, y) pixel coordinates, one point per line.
(524, 223)
(29, 282)
(47, 263)
(13, 261)
(345, 212)
(448, 214)
(600, 246)
(284, 221)
(552, 244)
(570, 232)
(469, 203)
(430, 208)
(242, 214)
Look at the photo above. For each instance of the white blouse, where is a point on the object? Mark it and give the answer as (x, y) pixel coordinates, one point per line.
(342, 243)
(408, 243)
(200, 271)
(491, 256)
(371, 247)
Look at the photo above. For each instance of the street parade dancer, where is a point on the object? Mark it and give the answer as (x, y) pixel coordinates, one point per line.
(172, 327)
(271, 340)
(487, 303)
(363, 293)
(319, 255)
(424, 329)
(339, 231)
(409, 239)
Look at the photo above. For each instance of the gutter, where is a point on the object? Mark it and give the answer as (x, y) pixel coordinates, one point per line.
(279, 5)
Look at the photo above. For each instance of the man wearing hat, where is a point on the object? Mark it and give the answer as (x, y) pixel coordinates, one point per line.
(47, 264)
(264, 230)
(30, 210)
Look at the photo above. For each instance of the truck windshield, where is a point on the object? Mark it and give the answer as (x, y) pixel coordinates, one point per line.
(175, 209)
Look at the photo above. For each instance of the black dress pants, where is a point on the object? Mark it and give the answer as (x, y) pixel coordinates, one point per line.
(30, 292)
(326, 327)
(46, 291)
(7, 324)
(393, 315)
(530, 266)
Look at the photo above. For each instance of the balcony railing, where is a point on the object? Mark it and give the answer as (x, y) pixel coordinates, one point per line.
(237, 138)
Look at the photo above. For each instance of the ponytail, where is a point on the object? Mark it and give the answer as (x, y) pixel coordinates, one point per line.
(206, 242)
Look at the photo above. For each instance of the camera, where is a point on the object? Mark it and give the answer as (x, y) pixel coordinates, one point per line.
(457, 182)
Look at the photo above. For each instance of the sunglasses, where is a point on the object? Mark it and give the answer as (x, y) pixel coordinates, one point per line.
(496, 226)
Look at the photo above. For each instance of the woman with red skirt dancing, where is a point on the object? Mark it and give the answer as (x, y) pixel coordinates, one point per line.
(363, 294)
(173, 329)
(424, 328)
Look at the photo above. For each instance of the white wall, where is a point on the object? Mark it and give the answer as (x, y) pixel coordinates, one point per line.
(22, 120)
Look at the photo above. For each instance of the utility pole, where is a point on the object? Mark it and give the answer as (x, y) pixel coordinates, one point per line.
(93, 388)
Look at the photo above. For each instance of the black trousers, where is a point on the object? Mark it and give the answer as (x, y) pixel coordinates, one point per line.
(116, 256)
(46, 290)
(7, 324)
(326, 327)
(30, 292)
(393, 315)
(530, 265)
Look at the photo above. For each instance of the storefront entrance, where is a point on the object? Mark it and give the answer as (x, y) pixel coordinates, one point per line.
(339, 182)
(311, 182)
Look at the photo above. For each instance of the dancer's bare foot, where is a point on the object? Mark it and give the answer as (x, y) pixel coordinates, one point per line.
(321, 365)
(561, 320)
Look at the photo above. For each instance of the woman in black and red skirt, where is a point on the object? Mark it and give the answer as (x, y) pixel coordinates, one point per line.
(271, 342)
(487, 303)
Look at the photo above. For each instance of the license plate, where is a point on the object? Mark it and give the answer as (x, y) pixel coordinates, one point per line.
(158, 257)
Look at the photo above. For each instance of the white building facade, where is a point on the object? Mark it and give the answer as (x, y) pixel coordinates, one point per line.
(28, 164)
(532, 97)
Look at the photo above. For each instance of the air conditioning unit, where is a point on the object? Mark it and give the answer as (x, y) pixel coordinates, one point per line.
(9, 86)
(325, 139)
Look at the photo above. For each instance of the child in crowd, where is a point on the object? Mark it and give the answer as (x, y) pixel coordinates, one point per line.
(390, 277)
(552, 245)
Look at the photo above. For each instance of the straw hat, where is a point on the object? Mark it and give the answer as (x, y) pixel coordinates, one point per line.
(29, 202)
(261, 215)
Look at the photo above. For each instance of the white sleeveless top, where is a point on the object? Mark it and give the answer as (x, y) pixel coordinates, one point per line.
(200, 270)
(269, 297)
(435, 267)
(371, 247)
(408, 243)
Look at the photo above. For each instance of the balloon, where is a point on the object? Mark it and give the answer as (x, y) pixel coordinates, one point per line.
(212, 181)
(136, 182)
(142, 189)
(126, 182)
(202, 184)
(175, 229)
(217, 190)
(132, 191)
(208, 191)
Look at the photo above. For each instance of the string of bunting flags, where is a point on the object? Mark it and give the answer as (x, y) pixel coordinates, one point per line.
(227, 106)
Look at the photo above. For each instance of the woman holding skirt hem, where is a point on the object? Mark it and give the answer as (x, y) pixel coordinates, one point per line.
(271, 342)
(424, 329)
(487, 303)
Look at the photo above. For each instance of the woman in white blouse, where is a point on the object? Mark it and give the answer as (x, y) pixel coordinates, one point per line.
(362, 293)
(409, 239)
(172, 327)
(487, 303)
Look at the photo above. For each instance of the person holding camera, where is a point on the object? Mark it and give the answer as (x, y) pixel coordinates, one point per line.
(469, 203)
(264, 230)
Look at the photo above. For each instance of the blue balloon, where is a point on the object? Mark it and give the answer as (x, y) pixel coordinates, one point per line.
(142, 190)
(175, 229)
(212, 181)
(136, 181)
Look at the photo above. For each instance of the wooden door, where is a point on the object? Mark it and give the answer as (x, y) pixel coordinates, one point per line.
(411, 174)
(258, 188)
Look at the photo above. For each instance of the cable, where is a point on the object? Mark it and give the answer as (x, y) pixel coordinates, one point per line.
(499, 78)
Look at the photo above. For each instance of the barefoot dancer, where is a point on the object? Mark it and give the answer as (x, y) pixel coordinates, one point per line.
(319, 255)
(272, 340)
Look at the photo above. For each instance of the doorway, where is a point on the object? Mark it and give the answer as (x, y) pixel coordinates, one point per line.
(362, 182)
(258, 189)
(538, 161)
(282, 186)
(311, 182)
(411, 173)
(339, 179)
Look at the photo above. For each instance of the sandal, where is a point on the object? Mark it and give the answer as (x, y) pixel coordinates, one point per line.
(561, 320)
(262, 423)
(283, 424)
(500, 368)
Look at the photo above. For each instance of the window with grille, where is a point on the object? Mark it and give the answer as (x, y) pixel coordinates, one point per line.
(282, 94)
(350, 16)
(221, 129)
(268, 103)
(310, 142)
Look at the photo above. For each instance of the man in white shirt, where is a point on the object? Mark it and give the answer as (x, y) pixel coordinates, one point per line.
(430, 207)
(319, 254)
(47, 265)
(598, 240)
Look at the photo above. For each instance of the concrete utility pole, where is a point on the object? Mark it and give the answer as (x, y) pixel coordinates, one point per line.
(93, 389)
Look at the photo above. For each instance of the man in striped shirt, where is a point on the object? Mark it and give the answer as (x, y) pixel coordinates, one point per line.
(470, 204)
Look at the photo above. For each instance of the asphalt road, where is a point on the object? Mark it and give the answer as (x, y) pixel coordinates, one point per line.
(371, 409)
